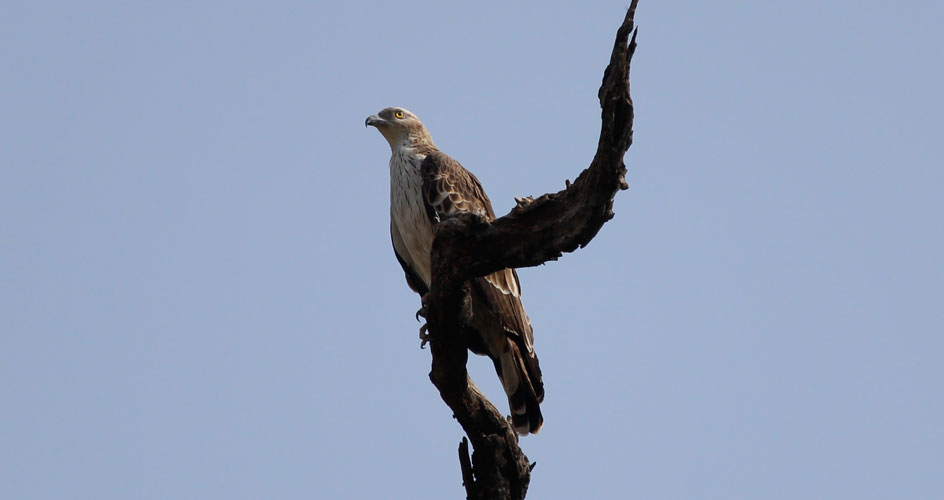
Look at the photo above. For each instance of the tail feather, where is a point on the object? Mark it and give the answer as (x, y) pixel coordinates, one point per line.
(524, 391)
(526, 417)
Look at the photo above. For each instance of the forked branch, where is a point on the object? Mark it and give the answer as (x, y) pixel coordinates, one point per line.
(535, 232)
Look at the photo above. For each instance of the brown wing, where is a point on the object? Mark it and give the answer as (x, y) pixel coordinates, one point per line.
(449, 188)
(501, 309)
(498, 314)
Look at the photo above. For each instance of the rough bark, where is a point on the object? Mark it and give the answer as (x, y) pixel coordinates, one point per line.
(536, 231)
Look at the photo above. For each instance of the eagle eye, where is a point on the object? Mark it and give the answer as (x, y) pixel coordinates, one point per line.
(398, 114)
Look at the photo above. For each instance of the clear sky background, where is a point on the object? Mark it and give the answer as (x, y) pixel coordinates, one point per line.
(199, 299)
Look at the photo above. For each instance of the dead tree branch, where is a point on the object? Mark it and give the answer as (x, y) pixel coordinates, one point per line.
(535, 232)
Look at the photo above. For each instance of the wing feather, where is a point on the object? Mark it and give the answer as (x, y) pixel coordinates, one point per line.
(449, 188)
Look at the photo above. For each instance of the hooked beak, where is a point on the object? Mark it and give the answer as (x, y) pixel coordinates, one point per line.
(374, 120)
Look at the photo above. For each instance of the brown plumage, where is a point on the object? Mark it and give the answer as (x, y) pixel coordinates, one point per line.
(426, 185)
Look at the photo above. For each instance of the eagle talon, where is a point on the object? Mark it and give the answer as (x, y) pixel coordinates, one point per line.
(424, 337)
(422, 311)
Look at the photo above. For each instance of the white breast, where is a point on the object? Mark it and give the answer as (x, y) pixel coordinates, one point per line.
(408, 213)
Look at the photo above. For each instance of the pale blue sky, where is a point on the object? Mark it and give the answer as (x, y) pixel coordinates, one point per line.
(198, 298)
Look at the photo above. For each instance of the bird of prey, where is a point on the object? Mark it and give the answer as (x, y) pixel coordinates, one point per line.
(425, 186)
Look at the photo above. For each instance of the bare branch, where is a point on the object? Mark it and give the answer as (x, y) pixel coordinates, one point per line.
(536, 231)
(465, 462)
(542, 229)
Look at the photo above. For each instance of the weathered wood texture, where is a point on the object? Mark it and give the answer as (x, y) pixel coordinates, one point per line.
(536, 231)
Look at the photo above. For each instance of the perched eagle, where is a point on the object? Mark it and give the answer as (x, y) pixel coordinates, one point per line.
(425, 185)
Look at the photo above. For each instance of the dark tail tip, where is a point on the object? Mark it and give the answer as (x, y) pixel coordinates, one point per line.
(526, 415)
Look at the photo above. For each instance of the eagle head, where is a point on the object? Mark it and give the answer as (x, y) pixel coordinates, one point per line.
(400, 127)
